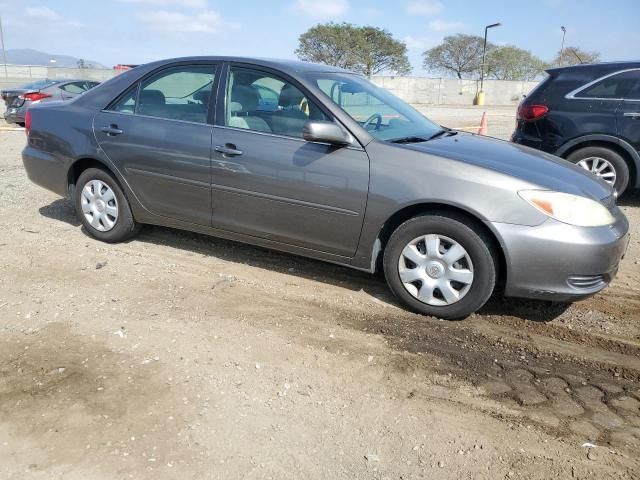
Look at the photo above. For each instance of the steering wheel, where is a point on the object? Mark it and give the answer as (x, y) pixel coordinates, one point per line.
(377, 117)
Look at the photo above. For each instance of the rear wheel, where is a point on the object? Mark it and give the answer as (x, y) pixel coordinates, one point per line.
(439, 265)
(604, 163)
(103, 208)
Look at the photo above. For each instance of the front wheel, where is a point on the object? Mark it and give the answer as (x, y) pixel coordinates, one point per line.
(103, 208)
(437, 265)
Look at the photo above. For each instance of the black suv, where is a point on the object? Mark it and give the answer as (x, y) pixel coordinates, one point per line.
(590, 115)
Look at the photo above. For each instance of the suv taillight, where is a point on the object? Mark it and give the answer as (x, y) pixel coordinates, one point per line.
(531, 112)
(27, 122)
(34, 97)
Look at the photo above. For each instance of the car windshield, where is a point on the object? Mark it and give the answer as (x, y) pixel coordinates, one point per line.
(39, 84)
(382, 114)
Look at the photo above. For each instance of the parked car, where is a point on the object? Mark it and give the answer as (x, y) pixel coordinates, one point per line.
(590, 115)
(339, 170)
(18, 100)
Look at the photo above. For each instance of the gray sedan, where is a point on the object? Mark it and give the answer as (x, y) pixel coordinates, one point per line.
(18, 100)
(317, 161)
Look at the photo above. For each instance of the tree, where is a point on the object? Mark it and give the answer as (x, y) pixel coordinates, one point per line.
(460, 54)
(575, 56)
(512, 63)
(367, 50)
(82, 64)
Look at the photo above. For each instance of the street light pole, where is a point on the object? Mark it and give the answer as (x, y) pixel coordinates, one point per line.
(4, 52)
(484, 52)
(564, 32)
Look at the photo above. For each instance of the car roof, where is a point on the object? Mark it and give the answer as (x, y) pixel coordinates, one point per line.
(600, 68)
(287, 66)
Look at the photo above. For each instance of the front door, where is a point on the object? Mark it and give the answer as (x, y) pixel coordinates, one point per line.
(157, 135)
(267, 181)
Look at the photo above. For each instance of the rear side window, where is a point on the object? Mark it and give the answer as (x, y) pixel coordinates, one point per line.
(613, 87)
(179, 93)
(75, 88)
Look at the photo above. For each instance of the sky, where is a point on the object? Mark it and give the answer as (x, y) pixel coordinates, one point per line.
(138, 31)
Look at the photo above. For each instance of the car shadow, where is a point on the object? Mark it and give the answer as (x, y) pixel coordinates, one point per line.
(61, 210)
(310, 269)
(630, 198)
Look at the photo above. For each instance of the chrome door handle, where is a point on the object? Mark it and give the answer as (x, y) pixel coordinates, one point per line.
(228, 150)
(111, 130)
(635, 115)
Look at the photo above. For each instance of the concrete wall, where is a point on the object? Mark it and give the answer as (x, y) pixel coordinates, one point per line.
(415, 90)
(16, 75)
(448, 91)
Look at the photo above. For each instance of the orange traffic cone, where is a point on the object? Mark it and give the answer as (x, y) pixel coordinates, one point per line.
(484, 128)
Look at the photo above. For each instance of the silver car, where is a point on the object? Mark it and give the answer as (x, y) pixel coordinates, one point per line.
(317, 161)
(18, 100)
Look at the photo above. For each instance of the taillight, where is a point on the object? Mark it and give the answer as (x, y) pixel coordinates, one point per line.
(531, 112)
(34, 97)
(27, 122)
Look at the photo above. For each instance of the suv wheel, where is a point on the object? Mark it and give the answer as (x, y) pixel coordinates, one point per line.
(605, 164)
(103, 208)
(437, 265)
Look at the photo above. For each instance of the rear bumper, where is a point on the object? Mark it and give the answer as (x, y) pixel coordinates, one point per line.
(45, 170)
(14, 115)
(559, 262)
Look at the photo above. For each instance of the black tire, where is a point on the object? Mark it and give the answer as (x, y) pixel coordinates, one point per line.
(472, 239)
(614, 158)
(125, 225)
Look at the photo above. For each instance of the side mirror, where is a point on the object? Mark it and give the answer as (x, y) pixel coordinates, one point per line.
(326, 132)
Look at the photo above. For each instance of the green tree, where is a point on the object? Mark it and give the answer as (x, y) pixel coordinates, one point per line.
(82, 64)
(367, 50)
(575, 56)
(459, 54)
(512, 63)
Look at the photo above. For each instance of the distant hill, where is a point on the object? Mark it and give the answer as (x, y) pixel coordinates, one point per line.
(26, 56)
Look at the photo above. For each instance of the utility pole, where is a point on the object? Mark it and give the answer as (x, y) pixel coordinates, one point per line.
(4, 52)
(479, 100)
(564, 32)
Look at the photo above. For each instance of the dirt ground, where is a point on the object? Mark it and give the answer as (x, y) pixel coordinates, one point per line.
(179, 356)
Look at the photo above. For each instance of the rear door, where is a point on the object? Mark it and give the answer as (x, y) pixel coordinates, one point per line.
(628, 115)
(159, 136)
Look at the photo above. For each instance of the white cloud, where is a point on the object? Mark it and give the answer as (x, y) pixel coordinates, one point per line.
(424, 7)
(166, 3)
(44, 13)
(206, 21)
(440, 25)
(44, 16)
(420, 43)
(322, 8)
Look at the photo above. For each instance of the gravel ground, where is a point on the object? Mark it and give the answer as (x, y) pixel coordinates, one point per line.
(180, 356)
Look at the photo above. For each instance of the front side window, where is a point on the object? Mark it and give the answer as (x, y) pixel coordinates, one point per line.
(613, 87)
(382, 114)
(179, 93)
(264, 102)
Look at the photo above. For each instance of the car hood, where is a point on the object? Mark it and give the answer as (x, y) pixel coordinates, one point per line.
(538, 168)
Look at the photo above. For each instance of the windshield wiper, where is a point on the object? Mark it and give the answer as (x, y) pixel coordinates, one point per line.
(418, 139)
(411, 139)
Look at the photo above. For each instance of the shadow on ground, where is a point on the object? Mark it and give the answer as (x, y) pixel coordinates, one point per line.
(374, 285)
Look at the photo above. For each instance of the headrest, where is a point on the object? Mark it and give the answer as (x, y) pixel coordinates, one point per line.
(290, 96)
(246, 96)
(152, 97)
(202, 96)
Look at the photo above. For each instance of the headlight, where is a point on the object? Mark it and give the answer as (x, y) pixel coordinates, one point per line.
(567, 208)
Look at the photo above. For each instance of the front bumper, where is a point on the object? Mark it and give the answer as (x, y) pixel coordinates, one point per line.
(560, 262)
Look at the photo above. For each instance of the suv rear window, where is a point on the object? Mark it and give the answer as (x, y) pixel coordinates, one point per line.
(616, 86)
